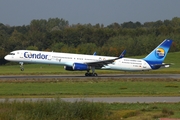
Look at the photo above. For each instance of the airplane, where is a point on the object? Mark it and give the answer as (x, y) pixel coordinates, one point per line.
(81, 62)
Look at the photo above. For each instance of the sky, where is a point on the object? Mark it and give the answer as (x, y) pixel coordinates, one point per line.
(106, 12)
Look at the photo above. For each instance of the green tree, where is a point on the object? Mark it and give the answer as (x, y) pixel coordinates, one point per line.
(56, 24)
(87, 48)
(16, 41)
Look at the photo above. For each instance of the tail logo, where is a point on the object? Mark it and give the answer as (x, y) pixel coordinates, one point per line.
(160, 53)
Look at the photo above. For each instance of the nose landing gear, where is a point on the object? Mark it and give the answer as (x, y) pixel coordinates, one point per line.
(21, 66)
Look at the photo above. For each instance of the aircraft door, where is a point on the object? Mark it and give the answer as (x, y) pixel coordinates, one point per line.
(49, 57)
(21, 55)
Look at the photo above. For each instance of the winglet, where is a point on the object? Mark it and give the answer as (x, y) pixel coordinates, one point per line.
(122, 54)
(94, 53)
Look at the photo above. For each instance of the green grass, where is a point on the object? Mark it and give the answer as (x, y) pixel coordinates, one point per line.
(90, 87)
(83, 110)
(53, 110)
(147, 111)
(33, 69)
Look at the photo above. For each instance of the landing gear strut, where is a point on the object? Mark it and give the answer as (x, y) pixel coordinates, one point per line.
(21, 66)
(91, 74)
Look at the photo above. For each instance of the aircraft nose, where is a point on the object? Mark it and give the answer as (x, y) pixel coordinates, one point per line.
(6, 57)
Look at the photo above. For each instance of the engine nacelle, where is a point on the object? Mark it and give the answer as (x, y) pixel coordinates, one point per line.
(80, 66)
(69, 68)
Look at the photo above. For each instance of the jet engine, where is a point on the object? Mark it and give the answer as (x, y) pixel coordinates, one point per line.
(77, 66)
(80, 66)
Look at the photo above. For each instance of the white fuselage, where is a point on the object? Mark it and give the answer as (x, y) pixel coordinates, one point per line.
(68, 59)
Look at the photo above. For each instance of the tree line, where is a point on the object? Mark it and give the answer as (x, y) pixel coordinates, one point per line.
(58, 35)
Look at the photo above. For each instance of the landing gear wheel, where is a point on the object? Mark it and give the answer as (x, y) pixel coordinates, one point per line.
(91, 74)
(86, 74)
(22, 69)
(94, 74)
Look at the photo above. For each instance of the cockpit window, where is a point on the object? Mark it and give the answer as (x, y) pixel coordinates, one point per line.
(11, 53)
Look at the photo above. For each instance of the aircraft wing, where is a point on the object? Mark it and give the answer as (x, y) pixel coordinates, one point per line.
(105, 62)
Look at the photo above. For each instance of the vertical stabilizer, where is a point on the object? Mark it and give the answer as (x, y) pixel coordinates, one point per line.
(158, 55)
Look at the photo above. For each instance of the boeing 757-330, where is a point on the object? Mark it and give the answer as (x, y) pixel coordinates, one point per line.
(81, 62)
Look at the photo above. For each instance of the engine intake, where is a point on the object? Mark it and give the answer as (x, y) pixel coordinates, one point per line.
(69, 68)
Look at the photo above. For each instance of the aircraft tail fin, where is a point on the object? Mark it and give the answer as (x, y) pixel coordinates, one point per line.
(158, 55)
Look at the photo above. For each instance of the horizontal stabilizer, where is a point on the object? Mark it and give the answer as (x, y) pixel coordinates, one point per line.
(162, 65)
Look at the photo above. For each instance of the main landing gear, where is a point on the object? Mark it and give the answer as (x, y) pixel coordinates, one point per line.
(21, 66)
(91, 74)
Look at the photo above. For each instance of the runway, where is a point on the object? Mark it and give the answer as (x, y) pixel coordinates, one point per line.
(104, 99)
(79, 76)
